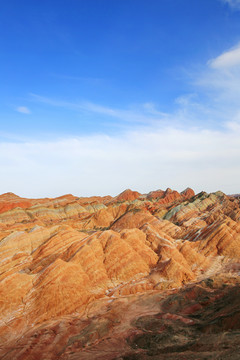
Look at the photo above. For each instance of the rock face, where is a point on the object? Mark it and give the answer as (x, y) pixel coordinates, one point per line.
(137, 276)
(10, 201)
(127, 195)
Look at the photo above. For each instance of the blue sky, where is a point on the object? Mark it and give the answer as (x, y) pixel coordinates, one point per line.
(101, 95)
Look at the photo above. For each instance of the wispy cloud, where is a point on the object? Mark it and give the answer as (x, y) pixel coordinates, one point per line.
(219, 83)
(144, 113)
(23, 110)
(235, 4)
(214, 100)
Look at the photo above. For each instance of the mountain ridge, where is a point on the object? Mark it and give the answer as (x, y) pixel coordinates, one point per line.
(69, 260)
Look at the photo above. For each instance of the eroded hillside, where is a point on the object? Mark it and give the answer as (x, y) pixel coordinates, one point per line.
(131, 277)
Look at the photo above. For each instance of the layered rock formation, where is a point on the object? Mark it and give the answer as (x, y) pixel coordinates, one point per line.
(134, 276)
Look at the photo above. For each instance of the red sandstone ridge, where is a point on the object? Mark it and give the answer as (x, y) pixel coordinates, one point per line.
(127, 195)
(188, 193)
(155, 194)
(9, 201)
(169, 195)
(131, 277)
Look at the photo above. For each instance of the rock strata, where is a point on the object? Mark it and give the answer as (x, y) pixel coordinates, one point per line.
(134, 276)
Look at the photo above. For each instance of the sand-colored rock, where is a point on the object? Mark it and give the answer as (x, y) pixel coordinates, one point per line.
(61, 289)
(52, 249)
(198, 322)
(13, 290)
(78, 275)
(132, 219)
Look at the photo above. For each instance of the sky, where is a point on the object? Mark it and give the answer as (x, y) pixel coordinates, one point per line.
(97, 96)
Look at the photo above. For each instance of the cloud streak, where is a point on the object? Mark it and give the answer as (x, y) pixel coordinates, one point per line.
(214, 101)
(146, 113)
(23, 110)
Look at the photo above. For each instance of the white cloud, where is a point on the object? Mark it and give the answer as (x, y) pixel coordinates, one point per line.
(218, 84)
(23, 110)
(228, 59)
(158, 158)
(235, 4)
